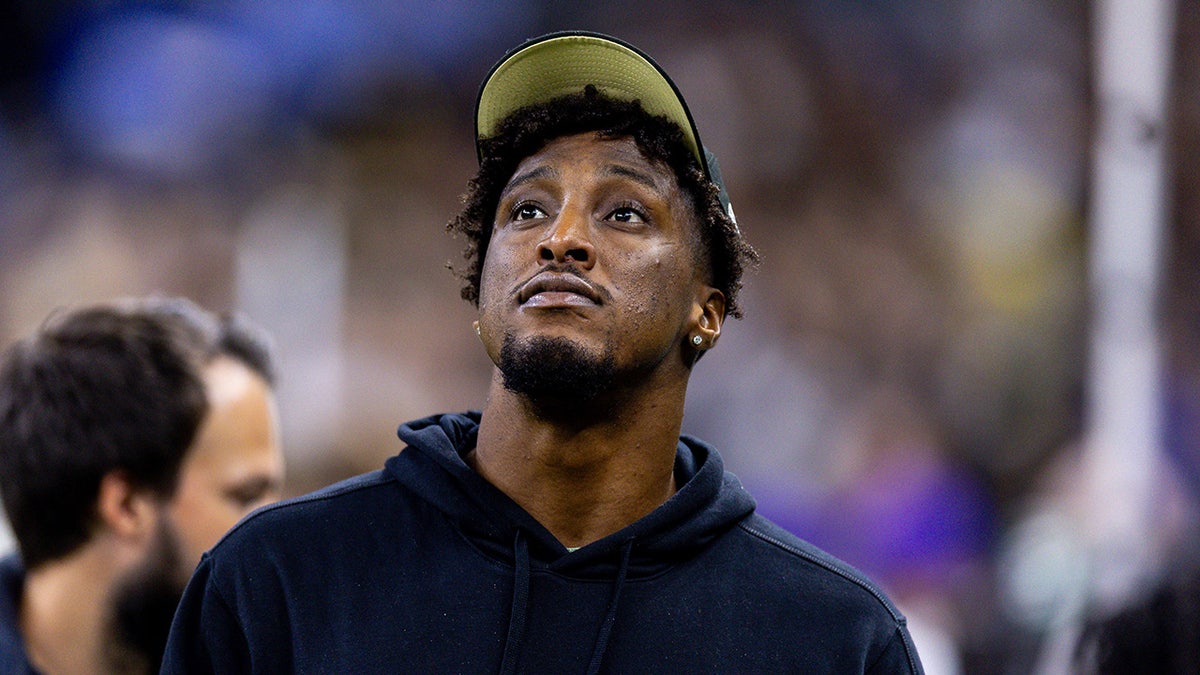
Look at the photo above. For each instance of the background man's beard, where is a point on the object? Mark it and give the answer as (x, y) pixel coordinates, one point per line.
(554, 370)
(142, 606)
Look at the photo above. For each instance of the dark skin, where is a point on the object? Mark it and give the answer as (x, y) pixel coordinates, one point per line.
(594, 245)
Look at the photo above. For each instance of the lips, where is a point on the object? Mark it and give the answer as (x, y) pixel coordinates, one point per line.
(558, 288)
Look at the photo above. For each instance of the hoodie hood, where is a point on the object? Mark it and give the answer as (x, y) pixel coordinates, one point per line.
(707, 503)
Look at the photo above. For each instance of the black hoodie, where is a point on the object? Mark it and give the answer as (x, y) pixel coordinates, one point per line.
(424, 567)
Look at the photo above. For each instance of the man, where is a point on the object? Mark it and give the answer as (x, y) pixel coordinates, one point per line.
(567, 528)
(132, 436)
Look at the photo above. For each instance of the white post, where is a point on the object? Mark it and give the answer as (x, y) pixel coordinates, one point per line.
(1133, 42)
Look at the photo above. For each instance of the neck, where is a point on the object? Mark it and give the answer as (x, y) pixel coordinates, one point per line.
(583, 477)
(64, 610)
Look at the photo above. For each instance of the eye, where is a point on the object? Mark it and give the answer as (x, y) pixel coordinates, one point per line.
(249, 493)
(627, 214)
(527, 211)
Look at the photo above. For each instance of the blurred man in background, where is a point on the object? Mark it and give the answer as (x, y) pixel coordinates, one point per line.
(132, 436)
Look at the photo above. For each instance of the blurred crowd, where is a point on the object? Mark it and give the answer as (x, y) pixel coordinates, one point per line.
(907, 388)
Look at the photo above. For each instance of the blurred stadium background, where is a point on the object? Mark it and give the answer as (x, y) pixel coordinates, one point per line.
(911, 386)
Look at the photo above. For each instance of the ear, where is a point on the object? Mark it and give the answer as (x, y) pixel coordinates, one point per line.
(709, 315)
(125, 510)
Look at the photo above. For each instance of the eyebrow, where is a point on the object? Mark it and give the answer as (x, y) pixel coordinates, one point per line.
(529, 176)
(609, 169)
(632, 174)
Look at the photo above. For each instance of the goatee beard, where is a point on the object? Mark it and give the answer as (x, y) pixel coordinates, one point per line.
(554, 371)
(142, 606)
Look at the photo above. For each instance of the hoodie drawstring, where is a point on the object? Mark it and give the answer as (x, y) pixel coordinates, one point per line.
(610, 617)
(520, 606)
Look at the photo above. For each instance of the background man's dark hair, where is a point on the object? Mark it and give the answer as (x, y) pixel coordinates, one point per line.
(527, 130)
(103, 388)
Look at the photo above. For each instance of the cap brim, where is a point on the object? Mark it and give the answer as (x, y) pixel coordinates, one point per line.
(560, 64)
(564, 63)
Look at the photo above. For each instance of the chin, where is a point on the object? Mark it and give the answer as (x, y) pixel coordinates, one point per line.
(554, 368)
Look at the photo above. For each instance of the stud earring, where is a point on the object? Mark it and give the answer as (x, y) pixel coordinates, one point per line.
(696, 340)
(477, 333)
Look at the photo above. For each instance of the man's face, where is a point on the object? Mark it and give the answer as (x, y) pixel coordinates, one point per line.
(235, 464)
(592, 256)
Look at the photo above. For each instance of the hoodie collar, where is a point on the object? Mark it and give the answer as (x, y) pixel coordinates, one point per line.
(707, 503)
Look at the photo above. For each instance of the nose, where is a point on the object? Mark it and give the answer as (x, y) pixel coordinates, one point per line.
(568, 240)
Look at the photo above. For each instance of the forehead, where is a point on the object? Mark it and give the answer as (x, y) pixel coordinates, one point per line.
(622, 148)
(226, 379)
(619, 156)
(240, 425)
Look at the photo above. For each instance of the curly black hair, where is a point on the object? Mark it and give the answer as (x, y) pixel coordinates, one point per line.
(528, 129)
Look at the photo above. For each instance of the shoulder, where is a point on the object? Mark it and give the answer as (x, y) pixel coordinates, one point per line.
(787, 587)
(829, 597)
(328, 509)
(798, 567)
(300, 543)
